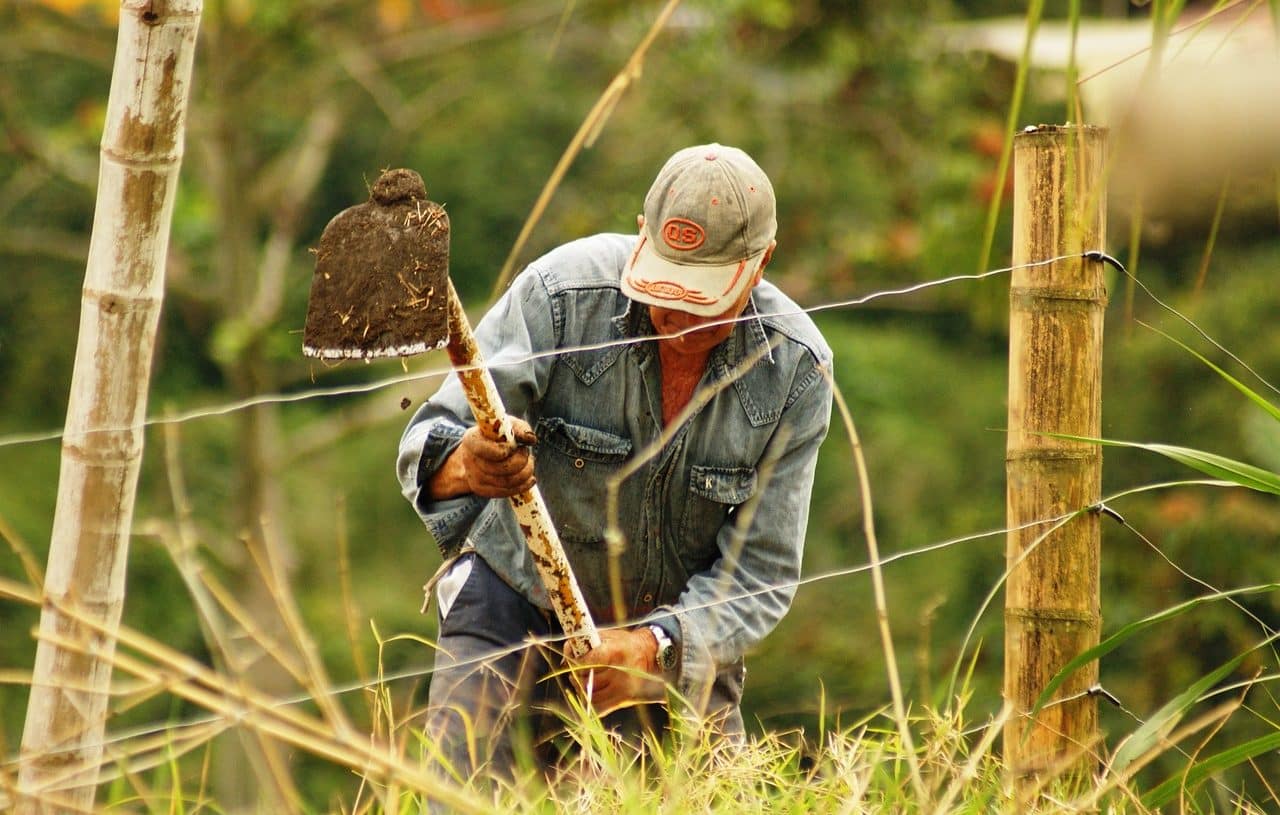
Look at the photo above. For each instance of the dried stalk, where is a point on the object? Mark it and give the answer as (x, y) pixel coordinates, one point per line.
(882, 605)
(120, 307)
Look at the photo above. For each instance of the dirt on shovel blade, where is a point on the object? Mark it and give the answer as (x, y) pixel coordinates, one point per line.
(380, 286)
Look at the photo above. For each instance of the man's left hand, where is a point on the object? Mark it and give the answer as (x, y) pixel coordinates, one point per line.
(622, 670)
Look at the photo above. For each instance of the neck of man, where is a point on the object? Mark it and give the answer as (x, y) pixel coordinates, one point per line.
(681, 373)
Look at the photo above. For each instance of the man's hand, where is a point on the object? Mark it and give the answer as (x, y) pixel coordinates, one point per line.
(622, 670)
(486, 468)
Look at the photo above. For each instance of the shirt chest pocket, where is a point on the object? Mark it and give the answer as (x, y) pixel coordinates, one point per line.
(573, 464)
(714, 493)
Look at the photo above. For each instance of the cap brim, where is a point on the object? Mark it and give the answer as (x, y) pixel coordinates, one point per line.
(706, 291)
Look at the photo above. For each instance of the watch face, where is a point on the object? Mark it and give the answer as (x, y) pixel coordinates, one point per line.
(666, 649)
(667, 657)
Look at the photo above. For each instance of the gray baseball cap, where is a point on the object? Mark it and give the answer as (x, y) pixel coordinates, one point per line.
(708, 220)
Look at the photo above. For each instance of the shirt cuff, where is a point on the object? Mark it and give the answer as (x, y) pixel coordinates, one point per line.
(442, 439)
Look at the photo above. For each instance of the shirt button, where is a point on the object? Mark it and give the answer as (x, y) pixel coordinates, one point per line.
(579, 463)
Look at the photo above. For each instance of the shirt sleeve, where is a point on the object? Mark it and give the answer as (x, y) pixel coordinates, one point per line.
(511, 337)
(726, 610)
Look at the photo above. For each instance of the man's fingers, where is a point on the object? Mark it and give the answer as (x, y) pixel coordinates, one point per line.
(526, 436)
(504, 468)
(603, 679)
(496, 482)
(522, 432)
(496, 451)
(503, 488)
(496, 470)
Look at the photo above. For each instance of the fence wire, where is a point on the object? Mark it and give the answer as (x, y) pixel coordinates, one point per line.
(211, 411)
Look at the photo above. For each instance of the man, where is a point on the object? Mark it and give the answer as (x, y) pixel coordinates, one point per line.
(602, 346)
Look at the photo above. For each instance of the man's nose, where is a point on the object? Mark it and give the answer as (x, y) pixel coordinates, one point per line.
(683, 320)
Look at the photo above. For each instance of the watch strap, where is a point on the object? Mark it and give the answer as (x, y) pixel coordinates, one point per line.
(666, 656)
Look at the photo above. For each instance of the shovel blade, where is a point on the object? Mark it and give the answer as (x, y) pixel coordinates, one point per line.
(380, 286)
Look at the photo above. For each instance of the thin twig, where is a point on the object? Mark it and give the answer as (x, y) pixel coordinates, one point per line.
(877, 583)
(1147, 48)
(20, 547)
(587, 133)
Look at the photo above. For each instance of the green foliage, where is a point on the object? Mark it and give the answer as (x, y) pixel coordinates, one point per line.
(879, 143)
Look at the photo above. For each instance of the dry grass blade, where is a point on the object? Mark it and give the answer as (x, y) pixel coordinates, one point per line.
(877, 583)
(970, 770)
(189, 680)
(158, 749)
(182, 542)
(350, 612)
(315, 678)
(30, 566)
(587, 133)
(613, 528)
(1088, 802)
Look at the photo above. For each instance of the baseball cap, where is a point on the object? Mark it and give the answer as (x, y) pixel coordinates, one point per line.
(708, 220)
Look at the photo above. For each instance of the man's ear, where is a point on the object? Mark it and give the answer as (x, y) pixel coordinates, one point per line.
(768, 256)
(640, 221)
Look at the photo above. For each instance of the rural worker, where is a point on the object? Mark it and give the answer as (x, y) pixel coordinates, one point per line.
(592, 347)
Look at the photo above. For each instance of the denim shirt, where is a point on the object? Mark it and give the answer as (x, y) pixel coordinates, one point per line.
(713, 523)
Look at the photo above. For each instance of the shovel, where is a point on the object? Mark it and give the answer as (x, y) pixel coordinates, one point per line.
(381, 288)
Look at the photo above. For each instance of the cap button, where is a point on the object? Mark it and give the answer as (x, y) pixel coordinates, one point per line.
(711, 156)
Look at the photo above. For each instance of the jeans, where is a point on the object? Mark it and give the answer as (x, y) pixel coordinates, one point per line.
(492, 707)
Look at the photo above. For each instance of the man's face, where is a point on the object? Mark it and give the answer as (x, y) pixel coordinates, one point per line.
(670, 321)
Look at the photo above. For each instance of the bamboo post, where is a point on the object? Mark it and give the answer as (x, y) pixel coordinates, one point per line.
(1052, 607)
(102, 441)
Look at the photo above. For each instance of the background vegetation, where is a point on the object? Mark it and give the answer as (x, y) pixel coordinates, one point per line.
(883, 142)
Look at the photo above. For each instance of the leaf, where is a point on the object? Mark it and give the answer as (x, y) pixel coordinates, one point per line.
(1246, 475)
(1170, 787)
(1167, 717)
(1252, 395)
(1132, 629)
(1221, 467)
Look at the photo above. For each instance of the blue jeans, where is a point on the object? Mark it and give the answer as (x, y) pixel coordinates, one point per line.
(491, 705)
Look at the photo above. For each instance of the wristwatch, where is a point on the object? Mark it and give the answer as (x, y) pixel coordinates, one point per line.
(667, 656)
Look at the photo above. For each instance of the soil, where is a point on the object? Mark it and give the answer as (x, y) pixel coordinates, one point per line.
(380, 285)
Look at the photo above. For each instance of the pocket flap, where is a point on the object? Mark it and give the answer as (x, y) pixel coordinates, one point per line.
(724, 485)
(580, 441)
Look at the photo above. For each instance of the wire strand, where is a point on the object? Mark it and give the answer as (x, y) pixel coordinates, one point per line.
(554, 641)
(213, 411)
(1116, 264)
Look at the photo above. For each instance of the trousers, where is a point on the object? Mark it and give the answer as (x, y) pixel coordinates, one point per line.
(494, 703)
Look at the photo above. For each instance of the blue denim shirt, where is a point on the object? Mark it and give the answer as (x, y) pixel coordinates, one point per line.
(713, 525)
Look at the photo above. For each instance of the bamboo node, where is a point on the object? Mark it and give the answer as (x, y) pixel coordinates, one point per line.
(1069, 616)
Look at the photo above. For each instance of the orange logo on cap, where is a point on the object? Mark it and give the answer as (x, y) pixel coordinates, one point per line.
(682, 234)
(670, 290)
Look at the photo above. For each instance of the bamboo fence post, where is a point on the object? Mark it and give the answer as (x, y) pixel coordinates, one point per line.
(102, 441)
(1052, 605)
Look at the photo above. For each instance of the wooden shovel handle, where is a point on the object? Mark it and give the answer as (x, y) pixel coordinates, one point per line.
(531, 512)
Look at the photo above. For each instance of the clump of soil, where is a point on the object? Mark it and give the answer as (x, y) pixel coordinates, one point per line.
(380, 286)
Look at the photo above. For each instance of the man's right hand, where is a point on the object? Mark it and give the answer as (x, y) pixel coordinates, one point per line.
(483, 467)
